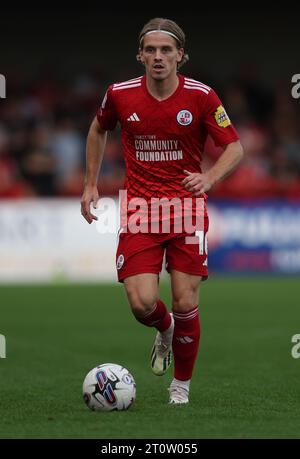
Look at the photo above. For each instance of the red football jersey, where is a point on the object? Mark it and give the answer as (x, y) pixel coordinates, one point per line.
(162, 138)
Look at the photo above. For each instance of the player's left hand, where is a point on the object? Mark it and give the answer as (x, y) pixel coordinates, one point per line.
(197, 183)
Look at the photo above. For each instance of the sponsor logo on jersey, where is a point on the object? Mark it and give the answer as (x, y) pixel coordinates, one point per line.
(221, 117)
(184, 117)
(152, 149)
(120, 261)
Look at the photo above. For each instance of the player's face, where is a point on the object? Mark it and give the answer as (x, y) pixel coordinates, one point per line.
(160, 55)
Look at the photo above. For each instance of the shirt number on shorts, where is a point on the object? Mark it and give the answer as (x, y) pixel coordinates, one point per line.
(203, 244)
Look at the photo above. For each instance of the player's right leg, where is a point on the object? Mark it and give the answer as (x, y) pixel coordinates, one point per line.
(139, 261)
(148, 309)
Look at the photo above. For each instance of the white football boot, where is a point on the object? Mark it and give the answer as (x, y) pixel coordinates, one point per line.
(178, 395)
(161, 354)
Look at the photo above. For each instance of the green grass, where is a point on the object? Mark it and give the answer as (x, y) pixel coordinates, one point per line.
(245, 385)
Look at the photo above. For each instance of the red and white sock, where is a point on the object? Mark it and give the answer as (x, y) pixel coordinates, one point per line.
(159, 317)
(185, 343)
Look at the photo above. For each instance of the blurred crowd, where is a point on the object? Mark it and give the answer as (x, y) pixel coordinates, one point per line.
(44, 124)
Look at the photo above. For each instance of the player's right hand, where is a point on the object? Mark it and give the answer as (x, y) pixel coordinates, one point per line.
(90, 195)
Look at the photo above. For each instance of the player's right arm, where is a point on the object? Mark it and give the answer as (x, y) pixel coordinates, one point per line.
(105, 120)
(95, 146)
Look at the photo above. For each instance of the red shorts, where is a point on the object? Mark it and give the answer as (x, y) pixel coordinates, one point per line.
(144, 252)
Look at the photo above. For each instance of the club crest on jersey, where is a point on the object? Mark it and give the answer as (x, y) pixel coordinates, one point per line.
(120, 261)
(221, 117)
(184, 117)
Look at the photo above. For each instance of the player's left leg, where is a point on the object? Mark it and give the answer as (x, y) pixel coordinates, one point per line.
(185, 297)
(186, 258)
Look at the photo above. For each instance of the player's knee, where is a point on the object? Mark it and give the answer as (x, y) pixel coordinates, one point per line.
(184, 303)
(140, 310)
(141, 302)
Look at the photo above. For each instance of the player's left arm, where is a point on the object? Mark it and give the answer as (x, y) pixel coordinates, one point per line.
(199, 183)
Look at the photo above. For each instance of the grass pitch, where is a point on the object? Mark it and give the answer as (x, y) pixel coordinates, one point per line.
(245, 384)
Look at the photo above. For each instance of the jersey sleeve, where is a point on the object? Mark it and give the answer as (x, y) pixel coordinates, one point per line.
(217, 121)
(107, 115)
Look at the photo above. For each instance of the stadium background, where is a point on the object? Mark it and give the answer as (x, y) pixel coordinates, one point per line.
(57, 68)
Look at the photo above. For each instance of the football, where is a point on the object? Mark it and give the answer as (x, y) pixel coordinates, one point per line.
(109, 387)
